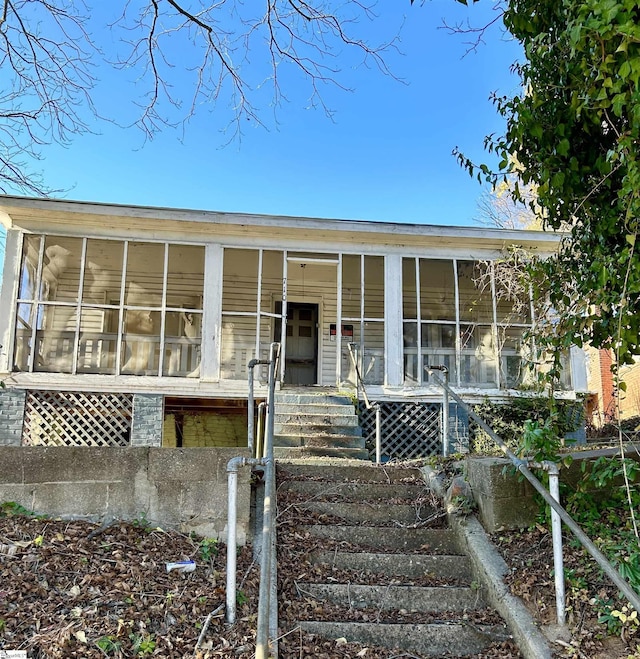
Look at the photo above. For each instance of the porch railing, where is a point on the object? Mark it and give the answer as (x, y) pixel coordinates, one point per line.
(360, 386)
(556, 509)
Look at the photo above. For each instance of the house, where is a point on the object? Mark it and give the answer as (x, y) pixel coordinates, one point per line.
(605, 404)
(126, 325)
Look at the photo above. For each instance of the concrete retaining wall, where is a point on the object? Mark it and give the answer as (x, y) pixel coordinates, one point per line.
(505, 500)
(184, 489)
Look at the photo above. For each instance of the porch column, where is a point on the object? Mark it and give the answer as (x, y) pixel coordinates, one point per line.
(394, 362)
(212, 313)
(10, 283)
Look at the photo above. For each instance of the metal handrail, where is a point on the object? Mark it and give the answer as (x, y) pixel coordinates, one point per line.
(522, 466)
(367, 403)
(267, 561)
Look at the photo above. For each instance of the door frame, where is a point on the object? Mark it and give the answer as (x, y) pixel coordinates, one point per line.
(316, 300)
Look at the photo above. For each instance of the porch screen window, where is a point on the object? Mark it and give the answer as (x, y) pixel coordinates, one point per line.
(109, 307)
(363, 316)
(252, 281)
(456, 313)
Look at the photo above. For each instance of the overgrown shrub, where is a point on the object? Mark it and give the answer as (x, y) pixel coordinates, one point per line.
(509, 421)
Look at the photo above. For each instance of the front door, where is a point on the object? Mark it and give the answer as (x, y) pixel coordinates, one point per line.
(301, 358)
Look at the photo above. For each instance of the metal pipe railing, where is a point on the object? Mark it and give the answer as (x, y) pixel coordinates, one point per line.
(445, 408)
(375, 406)
(556, 532)
(233, 466)
(522, 467)
(251, 404)
(262, 410)
(268, 517)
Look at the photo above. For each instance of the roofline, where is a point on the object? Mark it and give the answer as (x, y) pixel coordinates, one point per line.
(238, 218)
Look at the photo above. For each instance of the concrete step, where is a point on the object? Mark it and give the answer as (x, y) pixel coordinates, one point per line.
(435, 640)
(419, 599)
(346, 491)
(311, 397)
(313, 430)
(319, 441)
(372, 513)
(326, 452)
(314, 408)
(411, 566)
(429, 541)
(315, 419)
(366, 473)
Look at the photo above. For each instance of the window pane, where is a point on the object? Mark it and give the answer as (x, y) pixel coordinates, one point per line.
(145, 275)
(474, 285)
(477, 356)
(515, 368)
(373, 353)
(22, 345)
(271, 281)
(103, 272)
(512, 302)
(61, 269)
(30, 255)
(374, 287)
(350, 286)
(182, 344)
(97, 346)
(238, 346)
(409, 304)
(141, 344)
(437, 290)
(55, 338)
(240, 280)
(185, 277)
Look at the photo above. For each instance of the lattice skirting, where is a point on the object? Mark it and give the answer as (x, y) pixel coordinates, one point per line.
(413, 430)
(408, 430)
(65, 418)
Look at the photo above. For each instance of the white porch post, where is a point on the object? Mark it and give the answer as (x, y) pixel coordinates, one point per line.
(10, 283)
(212, 313)
(394, 362)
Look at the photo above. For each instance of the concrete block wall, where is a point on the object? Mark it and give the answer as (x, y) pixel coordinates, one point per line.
(12, 402)
(184, 489)
(506, 501)
(147, 421)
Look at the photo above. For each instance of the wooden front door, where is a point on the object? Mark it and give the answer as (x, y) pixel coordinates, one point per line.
(301, 358)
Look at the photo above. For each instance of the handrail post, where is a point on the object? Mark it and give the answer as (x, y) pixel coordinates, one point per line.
(233, 467)
(261, 431)
(445, 405)
(262, 640)
(556, 532)
(445, 414)
(250, 404)
(378, 434)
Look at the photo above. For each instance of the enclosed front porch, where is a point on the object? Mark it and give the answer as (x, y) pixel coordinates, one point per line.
(143, 314)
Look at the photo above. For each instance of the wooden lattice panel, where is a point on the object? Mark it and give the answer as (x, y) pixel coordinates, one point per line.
(66, 418)
(408, 430)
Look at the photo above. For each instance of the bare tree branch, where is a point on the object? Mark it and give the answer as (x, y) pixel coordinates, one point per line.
(176, 56)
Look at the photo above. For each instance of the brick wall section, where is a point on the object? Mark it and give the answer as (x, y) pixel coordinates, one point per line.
(630, 400)
(147, 422)
(12, 403)
(608, 405)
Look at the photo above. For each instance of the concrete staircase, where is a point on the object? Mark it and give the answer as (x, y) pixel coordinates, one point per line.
(387, 570)
(316, 422)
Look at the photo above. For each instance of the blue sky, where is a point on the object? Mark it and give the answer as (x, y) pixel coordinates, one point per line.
(386, 155)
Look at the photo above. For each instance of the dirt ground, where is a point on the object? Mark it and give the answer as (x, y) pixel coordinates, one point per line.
(75, 589)
(529, 554)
